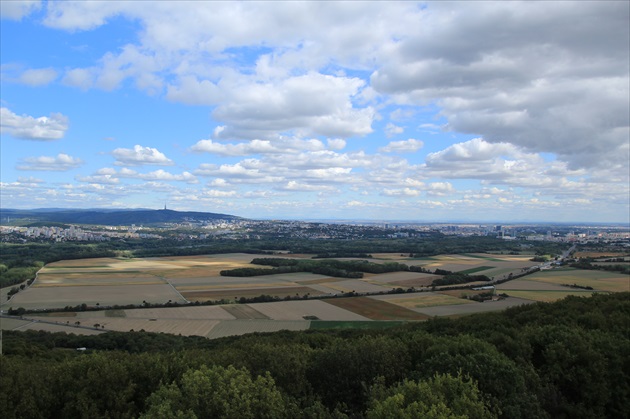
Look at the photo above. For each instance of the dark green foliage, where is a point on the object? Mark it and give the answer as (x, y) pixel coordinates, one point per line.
(456, 278)
(562, 360)
(328, 267)
(586, 263)
(441, 396)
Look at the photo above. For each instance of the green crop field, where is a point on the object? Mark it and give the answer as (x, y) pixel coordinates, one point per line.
(475, 270)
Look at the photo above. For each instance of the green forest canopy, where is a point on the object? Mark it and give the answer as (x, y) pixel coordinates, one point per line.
(566, 359)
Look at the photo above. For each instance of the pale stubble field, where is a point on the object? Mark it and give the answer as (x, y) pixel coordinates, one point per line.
(109, 281)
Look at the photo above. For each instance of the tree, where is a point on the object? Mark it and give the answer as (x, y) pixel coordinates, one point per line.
(440, 397)
(218, 392)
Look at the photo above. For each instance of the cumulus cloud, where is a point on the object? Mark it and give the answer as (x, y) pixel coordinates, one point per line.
(158, 175)
(519, 73)
(17, 9)
(60, 163)
(38, 77)
(311, 104)
(30, 179)
(213, 193)
(392, 130)
(277, 146)
(500, 163)
(406, 146)
(43, 128)
(295, 186)
(139, 156)
(401, 192)
(79, 77)
(194, 92)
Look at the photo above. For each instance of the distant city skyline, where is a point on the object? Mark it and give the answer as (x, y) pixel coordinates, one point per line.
(410, 111)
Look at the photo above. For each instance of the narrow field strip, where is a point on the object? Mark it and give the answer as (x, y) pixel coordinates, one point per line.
(242, 327)
(242, 311)
(548, 296)
(375, 309)
(475, 270)
(424, 300)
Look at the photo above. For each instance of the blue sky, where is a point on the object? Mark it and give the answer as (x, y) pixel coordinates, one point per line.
(428, 111)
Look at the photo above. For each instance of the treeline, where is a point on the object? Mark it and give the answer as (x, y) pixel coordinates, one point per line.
(456, 278)
(20, 262)
(562, 360)
(336, 268)
(587, 263)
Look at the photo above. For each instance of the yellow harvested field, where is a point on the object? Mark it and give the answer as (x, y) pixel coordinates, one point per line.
(598, 280)
(47, 325)
(104, 280)
(296, 310)
(422, 299)
(398, 277)
(180, 313)
(547, 296)
(465, 309)
(53, 328)
(185, 327)
(357, 285)
(117, 281)
(59, 297)
(249, 285)
(13, 324)
(527, 285)
(247, 293)
(242, 327)
(457, 263)
(227, 281)
(244, 311)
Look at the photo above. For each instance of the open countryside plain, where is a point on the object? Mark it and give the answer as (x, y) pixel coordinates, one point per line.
(107, 282)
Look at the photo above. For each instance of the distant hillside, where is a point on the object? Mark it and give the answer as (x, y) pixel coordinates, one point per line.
(109, 217)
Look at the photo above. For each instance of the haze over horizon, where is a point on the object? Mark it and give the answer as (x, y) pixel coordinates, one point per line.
(483, 111)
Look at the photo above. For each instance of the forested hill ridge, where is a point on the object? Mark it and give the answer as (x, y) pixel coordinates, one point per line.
(113, 217)
(567, 359)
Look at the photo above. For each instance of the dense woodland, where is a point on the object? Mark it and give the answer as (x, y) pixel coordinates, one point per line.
(567, 359)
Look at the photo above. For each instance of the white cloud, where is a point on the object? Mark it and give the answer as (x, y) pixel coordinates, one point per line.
(401, 192)
(82, 78)
(27, 127)
(139, 156)
(38, 77)
(279, 146)
(406, 146)
(519, 73)
(304, 187)
(392, 130)
(440, 189)
(219, 183)
(336, 144)
(61, 163)
(311, 104)
(194, 92)
(158, 175)
(17, 9)
(82, 15)
(213, 193)
(99, 179)
(241, 149)
(30, 179)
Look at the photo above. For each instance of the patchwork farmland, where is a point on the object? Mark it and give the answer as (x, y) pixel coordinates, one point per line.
(109, 283)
